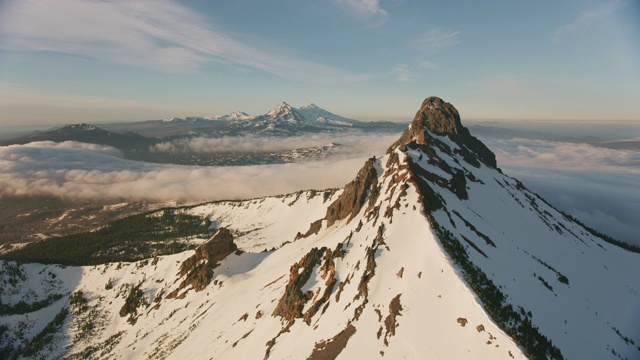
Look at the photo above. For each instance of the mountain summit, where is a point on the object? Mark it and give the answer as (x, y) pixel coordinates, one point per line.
(282, 110)
(429, 243)
(441, 118)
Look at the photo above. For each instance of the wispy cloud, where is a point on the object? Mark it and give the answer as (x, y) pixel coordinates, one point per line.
(162, 35)
(427, 44)
(367, 10)
(428, 65)
(402, 73)
(589, 21)
(436, 39)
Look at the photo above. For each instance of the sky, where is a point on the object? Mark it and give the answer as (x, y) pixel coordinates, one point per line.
(70, 61)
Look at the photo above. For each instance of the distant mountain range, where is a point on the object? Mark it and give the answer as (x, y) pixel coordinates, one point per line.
(283, 120)
(136, 139)
(86, 133)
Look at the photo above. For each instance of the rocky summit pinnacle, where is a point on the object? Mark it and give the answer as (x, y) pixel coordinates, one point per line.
(440, 118)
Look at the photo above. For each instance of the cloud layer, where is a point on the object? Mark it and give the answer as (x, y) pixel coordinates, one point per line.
(85, 171)
(597, 186)
(73, 172)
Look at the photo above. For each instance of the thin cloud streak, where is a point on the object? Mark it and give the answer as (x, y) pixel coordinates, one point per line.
(436, 39)
(368, 10)
(588, 20)
(402, 73)
(162, 35)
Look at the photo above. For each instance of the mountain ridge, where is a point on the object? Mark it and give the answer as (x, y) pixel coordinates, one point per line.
(428, 243)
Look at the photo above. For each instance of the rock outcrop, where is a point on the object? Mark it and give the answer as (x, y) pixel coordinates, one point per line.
(356, 193)
(442, 118)
(198, 269)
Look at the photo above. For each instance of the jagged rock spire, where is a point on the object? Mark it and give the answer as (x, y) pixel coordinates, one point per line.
(441, 118)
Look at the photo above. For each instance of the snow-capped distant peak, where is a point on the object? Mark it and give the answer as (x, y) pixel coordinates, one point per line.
(282, 109)
(238, 115)
(310, 106)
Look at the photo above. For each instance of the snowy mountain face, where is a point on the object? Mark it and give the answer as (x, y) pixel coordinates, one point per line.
(286, 120)
(430, 252)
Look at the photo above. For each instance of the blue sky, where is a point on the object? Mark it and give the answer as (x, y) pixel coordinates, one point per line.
(69, 61)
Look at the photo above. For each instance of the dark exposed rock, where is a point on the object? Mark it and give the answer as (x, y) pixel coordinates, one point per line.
(368, 273)
(458, 184)
(327, 273)
(390, 323)
(314, 228)
(330, 349)
(431, 201)
(293, 300)
(355, 194)
(462, 321)
(441, 118)
(198, 268)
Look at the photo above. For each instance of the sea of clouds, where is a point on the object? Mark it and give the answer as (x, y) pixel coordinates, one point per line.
(596, 185)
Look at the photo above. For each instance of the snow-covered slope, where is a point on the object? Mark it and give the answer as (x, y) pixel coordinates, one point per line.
(430, 252)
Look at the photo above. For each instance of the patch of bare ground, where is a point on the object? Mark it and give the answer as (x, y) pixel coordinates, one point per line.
(363, 286)
(330, 349)
(243, 337)
(390, 323)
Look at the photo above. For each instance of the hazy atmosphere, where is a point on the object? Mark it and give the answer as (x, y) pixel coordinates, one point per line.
(72, 61)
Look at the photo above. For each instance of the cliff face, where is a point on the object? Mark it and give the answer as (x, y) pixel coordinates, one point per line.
(355, 194)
